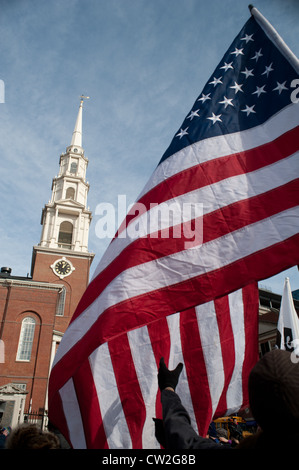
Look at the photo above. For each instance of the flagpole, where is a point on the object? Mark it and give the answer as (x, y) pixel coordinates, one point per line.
(275, 37)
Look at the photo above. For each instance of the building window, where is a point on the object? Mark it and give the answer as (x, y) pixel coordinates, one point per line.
(65, 235)
(73, 168)
(26, 339)
(61, 302)
(70, 193)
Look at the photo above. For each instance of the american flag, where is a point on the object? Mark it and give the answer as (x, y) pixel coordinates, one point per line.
(236, 153)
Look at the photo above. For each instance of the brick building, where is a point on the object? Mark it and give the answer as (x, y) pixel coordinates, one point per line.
(35, 310)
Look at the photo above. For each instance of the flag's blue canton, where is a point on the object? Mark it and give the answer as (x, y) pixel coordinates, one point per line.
(250, 84)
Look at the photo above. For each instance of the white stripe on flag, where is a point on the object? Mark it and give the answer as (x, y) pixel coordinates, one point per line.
(146, 370)
(175, 357)
(114, 420)
(72, 415)
(234, 394)
(210, 339)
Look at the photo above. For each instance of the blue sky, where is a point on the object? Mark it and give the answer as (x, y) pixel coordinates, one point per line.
(142, 63)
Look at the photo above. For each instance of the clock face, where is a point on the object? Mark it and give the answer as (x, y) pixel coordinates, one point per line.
(62, 267)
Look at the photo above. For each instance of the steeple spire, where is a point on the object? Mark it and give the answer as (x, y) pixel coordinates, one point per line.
(77, 134)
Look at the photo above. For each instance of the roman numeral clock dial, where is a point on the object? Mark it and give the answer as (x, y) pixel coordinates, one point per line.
(62, 267)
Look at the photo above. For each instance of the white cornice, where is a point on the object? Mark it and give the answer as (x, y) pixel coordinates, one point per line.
(60, 251)
(31, 284)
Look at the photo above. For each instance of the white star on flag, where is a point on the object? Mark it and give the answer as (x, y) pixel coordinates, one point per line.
(248, 110)
(182, 132)
(193, 114)
(237, 52)
(248, 73)
(226, 101)
(257, 55)
(205, 97)
(259, 90)
(227, 66)
(216, 81)
(236, 87)
(280, 87)
(214, 118)
(268, 69)
(247, 37)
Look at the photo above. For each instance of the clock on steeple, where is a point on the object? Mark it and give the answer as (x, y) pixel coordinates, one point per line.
(62, 267)
(62, 254)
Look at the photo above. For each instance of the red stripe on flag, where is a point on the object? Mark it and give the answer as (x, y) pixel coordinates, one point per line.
(89, 407)
(128, 387)
(160, 341)
(57, 417)
(227, 348)
(251, 320)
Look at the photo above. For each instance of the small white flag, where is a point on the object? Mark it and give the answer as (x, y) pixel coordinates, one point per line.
(288, 322)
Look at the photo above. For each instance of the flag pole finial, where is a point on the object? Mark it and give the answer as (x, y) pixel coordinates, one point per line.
(250, 7)
(82, 98)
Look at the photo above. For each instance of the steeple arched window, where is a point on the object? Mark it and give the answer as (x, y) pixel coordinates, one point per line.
(65, 235)
(70, 193)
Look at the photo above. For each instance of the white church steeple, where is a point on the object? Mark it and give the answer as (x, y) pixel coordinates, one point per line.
(66, 218)
(77, 134)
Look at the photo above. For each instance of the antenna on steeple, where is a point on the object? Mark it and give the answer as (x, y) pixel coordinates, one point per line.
(84, 98)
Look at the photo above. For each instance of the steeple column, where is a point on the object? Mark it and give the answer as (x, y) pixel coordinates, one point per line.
(53, 228)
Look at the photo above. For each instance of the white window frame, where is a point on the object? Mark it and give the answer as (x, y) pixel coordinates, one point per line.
(61, 302)
(26, 339)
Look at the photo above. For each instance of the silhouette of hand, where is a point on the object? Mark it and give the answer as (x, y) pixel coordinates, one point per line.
(168, 378)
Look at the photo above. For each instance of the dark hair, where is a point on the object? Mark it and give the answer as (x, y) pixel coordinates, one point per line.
(30, 436)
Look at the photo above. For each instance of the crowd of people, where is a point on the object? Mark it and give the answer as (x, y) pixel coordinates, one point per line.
(273, 387)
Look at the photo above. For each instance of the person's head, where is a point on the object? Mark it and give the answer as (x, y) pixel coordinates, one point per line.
(221, 432)
(30, 436)
(5, 431)
(274, 390)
